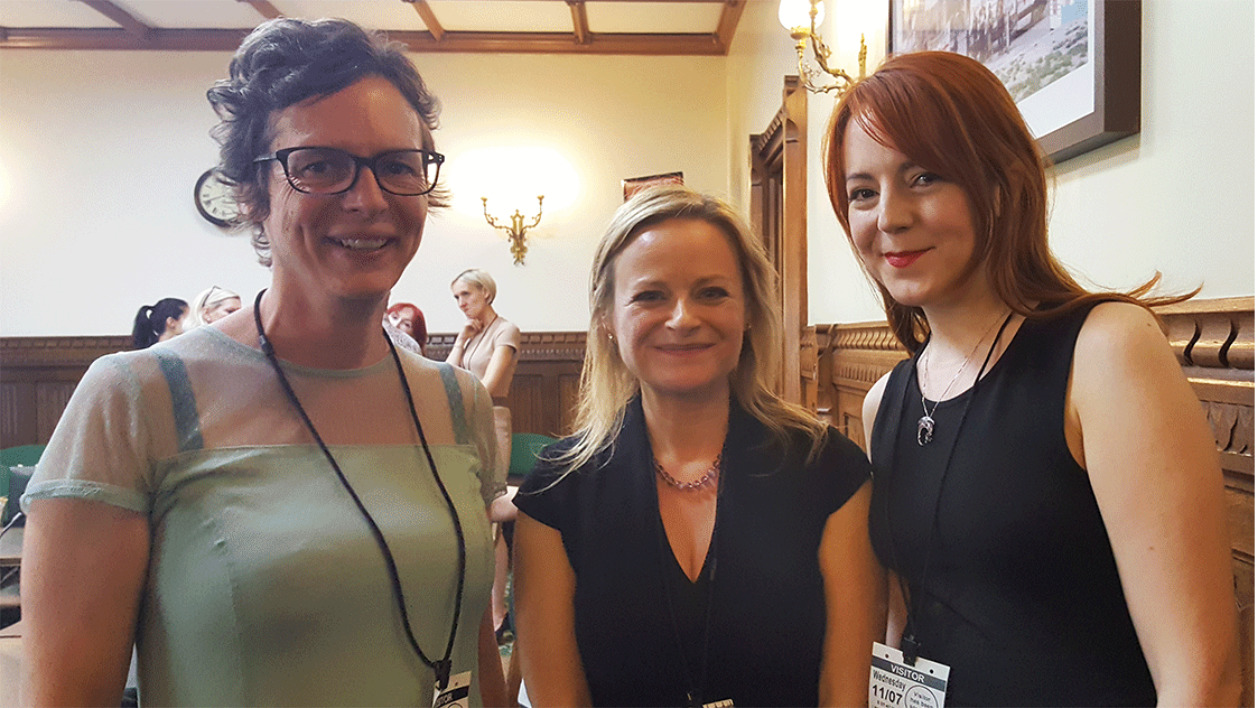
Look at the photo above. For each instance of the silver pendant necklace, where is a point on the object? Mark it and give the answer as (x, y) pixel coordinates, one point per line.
(925, 426)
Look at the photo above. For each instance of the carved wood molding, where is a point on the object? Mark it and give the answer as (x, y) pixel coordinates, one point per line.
(26, 352)
(535, 346)
(1209, 337)
(1212, 334)
(1213, 340)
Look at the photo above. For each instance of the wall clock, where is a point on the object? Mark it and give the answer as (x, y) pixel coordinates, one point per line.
(215, 200)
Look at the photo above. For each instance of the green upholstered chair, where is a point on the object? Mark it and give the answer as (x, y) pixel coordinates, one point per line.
(21, 455)
(524, 447)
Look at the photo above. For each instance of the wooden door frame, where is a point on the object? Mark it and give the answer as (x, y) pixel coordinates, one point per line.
(786, 138)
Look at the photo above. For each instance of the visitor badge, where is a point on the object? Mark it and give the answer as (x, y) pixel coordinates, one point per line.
(457, 694)
(895, 684)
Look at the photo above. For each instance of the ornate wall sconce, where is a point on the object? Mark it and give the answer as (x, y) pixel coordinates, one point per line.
(517, 231)
(800, 18)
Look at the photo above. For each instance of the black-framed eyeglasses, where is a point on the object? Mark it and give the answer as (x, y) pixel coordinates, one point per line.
(328, 171)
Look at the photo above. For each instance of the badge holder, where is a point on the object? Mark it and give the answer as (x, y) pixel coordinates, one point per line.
(894, 683)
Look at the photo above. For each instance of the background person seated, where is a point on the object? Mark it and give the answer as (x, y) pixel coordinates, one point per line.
(158, 322)
(213, 304)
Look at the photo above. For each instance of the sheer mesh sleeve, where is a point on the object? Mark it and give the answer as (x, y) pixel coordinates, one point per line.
(480, 424)
(102, 448)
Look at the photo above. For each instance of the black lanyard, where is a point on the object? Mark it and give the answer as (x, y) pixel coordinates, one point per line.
(910, 644)
(695, 686)
(442, 666)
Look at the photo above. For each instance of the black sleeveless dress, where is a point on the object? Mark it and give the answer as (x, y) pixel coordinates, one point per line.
(1014, 586)
(642, 627)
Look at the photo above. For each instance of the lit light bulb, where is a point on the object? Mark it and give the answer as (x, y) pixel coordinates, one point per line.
(797, 13)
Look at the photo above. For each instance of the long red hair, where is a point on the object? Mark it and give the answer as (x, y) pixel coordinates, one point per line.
(951, 115)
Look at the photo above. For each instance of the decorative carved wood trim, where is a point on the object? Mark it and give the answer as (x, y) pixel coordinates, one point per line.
(536, 346)
(25, 352)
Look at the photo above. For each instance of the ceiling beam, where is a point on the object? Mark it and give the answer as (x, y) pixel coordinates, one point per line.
(729, 18)
(124, 19)
(429, 18)
(579, 20)
(228, 40)
(264, 8)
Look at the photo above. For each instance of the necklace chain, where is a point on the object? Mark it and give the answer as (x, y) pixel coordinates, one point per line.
(698, 483)
(924, 428)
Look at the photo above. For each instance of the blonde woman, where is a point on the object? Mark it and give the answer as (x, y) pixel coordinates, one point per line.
(488, 346)
(213, 304)
(698, 539)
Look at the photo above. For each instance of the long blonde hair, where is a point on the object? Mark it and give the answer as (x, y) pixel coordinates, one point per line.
(606, 384)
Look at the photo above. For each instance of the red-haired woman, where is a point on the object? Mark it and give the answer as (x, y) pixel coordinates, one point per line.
(1048, 493)
(408, 319)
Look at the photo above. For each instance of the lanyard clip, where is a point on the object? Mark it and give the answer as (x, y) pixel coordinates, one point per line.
(911, 649)
(442, 668)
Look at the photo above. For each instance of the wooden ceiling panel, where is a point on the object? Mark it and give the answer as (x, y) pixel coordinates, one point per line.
(376, 14)
(166, 14)
(502, 16)
(41, 13)
(675, 18)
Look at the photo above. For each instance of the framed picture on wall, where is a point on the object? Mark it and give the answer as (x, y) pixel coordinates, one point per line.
(632, 185)
(1072, 65)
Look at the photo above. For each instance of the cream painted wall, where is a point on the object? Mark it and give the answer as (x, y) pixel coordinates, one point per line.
(1177, 198)
(99, 152)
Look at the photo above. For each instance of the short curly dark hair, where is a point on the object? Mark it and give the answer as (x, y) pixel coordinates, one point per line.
(286, 61)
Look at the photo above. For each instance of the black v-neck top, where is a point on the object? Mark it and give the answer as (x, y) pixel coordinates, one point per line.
(1021, 597)
(767, 596)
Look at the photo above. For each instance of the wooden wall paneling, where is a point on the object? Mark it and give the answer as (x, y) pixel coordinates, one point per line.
(15, 428)
(809, 368)
(38, 374)
(778, 212)
(526, 401)
(568, 399)
(825, 395)
(544, 391)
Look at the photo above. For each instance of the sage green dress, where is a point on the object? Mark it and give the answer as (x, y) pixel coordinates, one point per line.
(265, 586)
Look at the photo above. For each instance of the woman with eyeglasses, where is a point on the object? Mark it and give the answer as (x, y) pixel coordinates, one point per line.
(282, 507)
(213, 304)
